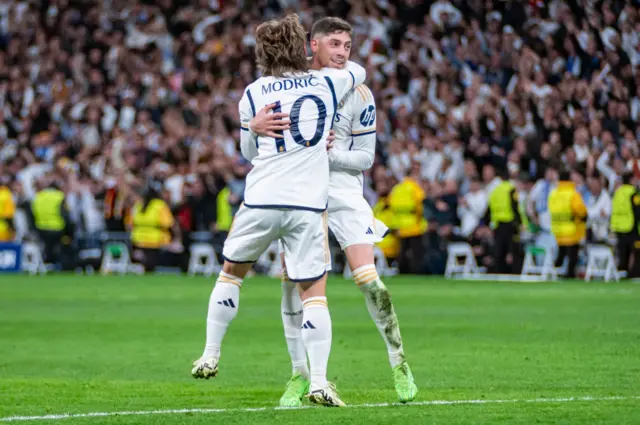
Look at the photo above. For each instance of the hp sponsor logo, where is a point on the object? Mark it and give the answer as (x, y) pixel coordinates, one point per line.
(368, 116)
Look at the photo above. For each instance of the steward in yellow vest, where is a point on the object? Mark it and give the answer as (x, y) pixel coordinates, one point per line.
(568, 215)
(54, 227)
(625, 214)
(504, 215)
(406, 202)
(7, 211)
(152, 229)
(152, 223)
(48, 210)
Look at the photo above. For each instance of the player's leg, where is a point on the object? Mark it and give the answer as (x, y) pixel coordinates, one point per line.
(357, 231)
(252, 232)
(306, 251)
(291, 309)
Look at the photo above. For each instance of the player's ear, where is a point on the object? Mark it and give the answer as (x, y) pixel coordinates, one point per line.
(314, 45)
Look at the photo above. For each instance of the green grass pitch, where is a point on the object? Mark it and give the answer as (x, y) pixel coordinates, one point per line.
(77, 344)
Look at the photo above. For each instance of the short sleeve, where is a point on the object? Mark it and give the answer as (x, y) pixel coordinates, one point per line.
(248, 140)
(246, 109)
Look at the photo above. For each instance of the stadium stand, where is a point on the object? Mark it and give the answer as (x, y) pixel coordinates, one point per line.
(104, 98)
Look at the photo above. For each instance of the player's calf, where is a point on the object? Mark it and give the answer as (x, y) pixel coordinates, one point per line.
(316, 330)
(291, 307)
(381, 309)
(223, 307)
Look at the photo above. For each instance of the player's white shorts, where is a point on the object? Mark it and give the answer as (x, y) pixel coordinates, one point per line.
(303, 236)
(352, 222)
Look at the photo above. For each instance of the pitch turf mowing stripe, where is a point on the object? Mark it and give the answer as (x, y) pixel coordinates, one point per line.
(262, 409)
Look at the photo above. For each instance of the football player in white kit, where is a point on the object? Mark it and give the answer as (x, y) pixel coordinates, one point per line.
(286, 194)
(350, 216)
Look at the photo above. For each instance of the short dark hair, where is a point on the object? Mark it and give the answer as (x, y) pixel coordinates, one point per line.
(564, 175)
(330, 25)
(627, 178)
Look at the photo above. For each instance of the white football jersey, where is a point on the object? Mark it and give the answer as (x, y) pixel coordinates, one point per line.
(355, 128)
(293, 172)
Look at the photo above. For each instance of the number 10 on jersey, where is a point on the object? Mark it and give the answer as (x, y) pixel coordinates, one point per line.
(294, 128)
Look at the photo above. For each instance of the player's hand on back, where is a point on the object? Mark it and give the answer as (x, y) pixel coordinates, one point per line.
(267, 123)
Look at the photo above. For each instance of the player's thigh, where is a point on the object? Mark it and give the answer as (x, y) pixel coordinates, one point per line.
(305, 245)
(359, 255)
(252, 232)
(284, 265)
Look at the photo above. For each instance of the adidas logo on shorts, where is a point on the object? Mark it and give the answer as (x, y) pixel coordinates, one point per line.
(369, 231)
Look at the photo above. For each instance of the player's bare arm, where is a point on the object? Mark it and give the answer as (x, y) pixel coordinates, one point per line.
(267, 123)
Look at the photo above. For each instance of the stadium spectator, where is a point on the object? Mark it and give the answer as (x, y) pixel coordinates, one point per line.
(599, 204)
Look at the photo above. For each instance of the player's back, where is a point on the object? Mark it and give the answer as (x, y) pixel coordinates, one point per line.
(293, 172)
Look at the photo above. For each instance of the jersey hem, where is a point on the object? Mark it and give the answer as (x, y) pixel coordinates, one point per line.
(288, 207)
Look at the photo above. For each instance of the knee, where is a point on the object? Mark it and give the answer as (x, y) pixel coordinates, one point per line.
(236, 269)
(317, 288)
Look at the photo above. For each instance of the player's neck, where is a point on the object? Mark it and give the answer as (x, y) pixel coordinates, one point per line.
(315, 64)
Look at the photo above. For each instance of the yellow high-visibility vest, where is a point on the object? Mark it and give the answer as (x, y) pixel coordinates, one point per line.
(7, 211)
(562, 222)
(47, 210)
(622, 217)
(225, 217)
(405, 201)
(501, 204)
(151, 226)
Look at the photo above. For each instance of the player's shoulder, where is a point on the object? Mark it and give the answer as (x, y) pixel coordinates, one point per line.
(359, 97)
(257, 83)
(363, 93)
(334, 75)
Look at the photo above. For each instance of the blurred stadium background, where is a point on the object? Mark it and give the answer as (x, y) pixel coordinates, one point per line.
(112, 101)
(106, 102)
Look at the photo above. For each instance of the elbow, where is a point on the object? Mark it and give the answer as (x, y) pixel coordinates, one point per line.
(368, 162)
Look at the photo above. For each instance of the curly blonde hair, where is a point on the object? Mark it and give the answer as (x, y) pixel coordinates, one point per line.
(280, 46)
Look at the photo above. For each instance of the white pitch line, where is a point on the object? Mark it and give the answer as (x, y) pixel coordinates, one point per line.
(262, 409)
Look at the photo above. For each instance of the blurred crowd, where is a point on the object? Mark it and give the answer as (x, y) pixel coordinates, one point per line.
(106, 99)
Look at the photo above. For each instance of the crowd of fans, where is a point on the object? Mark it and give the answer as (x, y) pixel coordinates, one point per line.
(101, 97)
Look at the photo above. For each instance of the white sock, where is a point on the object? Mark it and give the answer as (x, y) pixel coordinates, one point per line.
(223, 307)
(381, 310)
(291, 307)
(316, 336)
